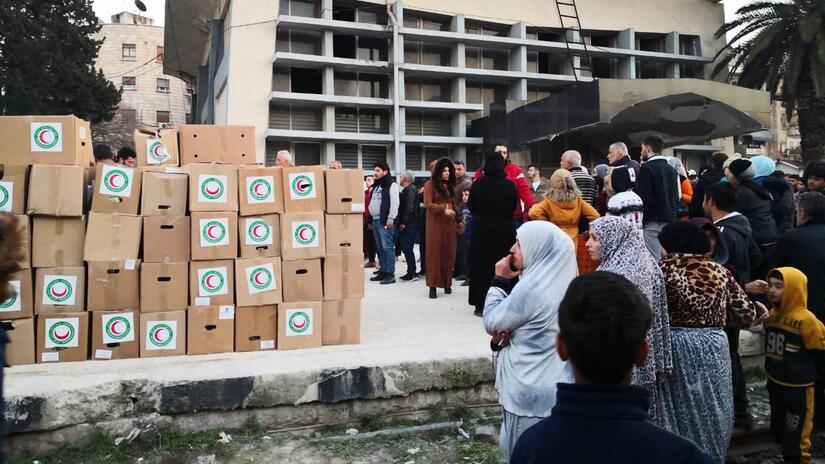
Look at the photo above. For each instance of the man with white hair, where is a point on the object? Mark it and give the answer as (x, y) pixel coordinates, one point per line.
(284, 159)
(571, 160)
(618, 156)
(335, 164)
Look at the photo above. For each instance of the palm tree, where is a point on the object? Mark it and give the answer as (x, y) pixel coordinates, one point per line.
(781, 46)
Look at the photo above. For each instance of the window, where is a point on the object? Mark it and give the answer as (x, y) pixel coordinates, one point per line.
(362, 120)
(188, 118)
(162, 85)
(159, 54)
(163, 117)
(425, 53)
(288, 117)
(128, 83)
(307, 9)
(129, 52)
(487, 58)
(435, 124)
(423, 90)
(689, 45)
(650, 70)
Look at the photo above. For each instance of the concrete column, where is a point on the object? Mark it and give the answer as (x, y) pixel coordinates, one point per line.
(627, 66)
(328, 153)
(216, 47)
(201, 109)
(672, 46)
(329, 118)
(572, 36)
(518, 62)
(397, 159)
(326, 9)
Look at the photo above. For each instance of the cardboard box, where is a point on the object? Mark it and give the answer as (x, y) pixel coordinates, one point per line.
(56, 190)
(115, 335)
(116, 189)
(212, 283)
(256, 328)
(302, 236)
(302, 280)
(210, 329)
(158, 148)
(344, 234)
(342, 322)
(57, 242)
(63, 337)
(59, 290)
(25, 241)
(304, 189)
(260, 190)
(260, 236)
(300, 325)
(343, 277)
(164, 194)
(21, 347)
(214, 236)
(113, 285)
(258, 281)
(112, 237)
(21, 305)
(213, 187)
(13, 189)
(166, 239)
(63, 140)
(164, 287)
(345, 191)
(201, 143)
(162, 334)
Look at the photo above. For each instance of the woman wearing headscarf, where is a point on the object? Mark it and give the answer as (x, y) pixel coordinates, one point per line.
(492, 201)
(697, 399)
(439, 193)
(617, 245)
(529, 368)
(563, 205)
(685, 187)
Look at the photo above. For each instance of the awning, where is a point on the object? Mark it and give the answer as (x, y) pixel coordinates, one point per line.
(760, 136)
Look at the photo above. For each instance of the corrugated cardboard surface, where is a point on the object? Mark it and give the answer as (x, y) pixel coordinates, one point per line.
(72, 147)
(210, 329)
(302, 280)
(57, 242)
(146, 142)
(292, 336)
(253, 198)
(164, 194)
(304, 189)
(225, 236)
(342, 322)
(113, 285)
(13, 189)
(226, 295)
(238, 144)
(25, 240)
(200, 174)
(343, 277)
(260, 236)
(56, 190)
(21, 347)
(166, 239)
(63, 354)
(112, 237)
(345, 191)
(22, 304)
(121, 340)
(344, 233)
(164, 287)
(202, 143)
(109, 200)
(256, 328)
(77, 293)
(161, 324)
(263, 272)
(296, 231)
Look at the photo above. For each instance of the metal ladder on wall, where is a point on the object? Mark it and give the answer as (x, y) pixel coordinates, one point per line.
(572, 26)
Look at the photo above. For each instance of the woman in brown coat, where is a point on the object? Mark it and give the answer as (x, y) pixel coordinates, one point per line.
(439, 192)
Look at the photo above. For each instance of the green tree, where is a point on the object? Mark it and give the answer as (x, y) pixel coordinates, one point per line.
(47, 56)
(781, 45)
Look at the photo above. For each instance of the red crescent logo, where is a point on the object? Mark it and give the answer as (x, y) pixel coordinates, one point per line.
(115, 181)
(259, 278)
(259, 189)
(59, 294)
(257, 231)
(209, 283)
(42, 137)
(211, 191)
(159, 332)
(300, 323)
(61, 336)
(302, 234)
(118, 325)
(212, 232)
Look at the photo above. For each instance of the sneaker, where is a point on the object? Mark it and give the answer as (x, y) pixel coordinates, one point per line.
(388, 279)
(376, 272)
(409, 277)
(378, 277)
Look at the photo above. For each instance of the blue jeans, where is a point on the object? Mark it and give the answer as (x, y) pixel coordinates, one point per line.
(385, 242)
(408, 236)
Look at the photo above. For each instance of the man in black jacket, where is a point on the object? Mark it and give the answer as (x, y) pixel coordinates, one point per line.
(710, 177)
(408, 222)
(617, 157)
(657, 186)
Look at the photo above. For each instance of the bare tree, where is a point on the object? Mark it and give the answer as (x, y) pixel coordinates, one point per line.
(119, 132)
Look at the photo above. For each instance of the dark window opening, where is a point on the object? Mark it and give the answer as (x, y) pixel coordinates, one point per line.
(650, 43)
(650, 70)
(372, 49)
(306, 80)
(689, 45)
(341, 12)
(343, 46)
(605, 68)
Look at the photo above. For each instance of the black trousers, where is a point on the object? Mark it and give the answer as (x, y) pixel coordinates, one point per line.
(740, 392)
(792, 411)
(369, 244)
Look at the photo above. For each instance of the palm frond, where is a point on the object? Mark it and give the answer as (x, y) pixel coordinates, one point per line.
(817, 69)
(792, 74)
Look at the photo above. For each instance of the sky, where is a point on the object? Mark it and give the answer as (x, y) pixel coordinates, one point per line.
(106, 8)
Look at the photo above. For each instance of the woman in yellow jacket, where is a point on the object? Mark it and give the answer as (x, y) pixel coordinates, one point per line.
(563, 205)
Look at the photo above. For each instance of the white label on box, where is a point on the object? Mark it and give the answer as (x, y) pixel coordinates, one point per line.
(267, 344)
(358, 207)
(214, 232)
(59, 290)
(6, 196)
(130, 264)
(302, 185)
(46, 136)
(226, 312)
(103, 354)
(258, 232)
(161, 335)
(50, 356)
(212, 281)
(305, 234)
(260, 278)
(62, 332)
(118, 328)
(174, 170)
(156, 152)
(260, 190)
(212, 189)
(299, 322)
(116, 181)
(202, 301)
(13, 303)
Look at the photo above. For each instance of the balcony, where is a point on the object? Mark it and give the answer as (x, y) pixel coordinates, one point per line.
(321, 24)
(321, 99)
(450, 107)
(328, 136)
(488, 75)
(318, 61)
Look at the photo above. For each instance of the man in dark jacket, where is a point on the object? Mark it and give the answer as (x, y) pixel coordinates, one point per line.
(657, 186)
(618, 157)
(709, 177)
(515, 174)
(408, 222)
(602, 418)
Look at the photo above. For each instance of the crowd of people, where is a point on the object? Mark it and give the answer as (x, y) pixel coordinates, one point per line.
(672, 264)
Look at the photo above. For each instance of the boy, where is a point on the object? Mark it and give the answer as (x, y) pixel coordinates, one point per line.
(794, 350)
(603, 322)
(465, 232)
